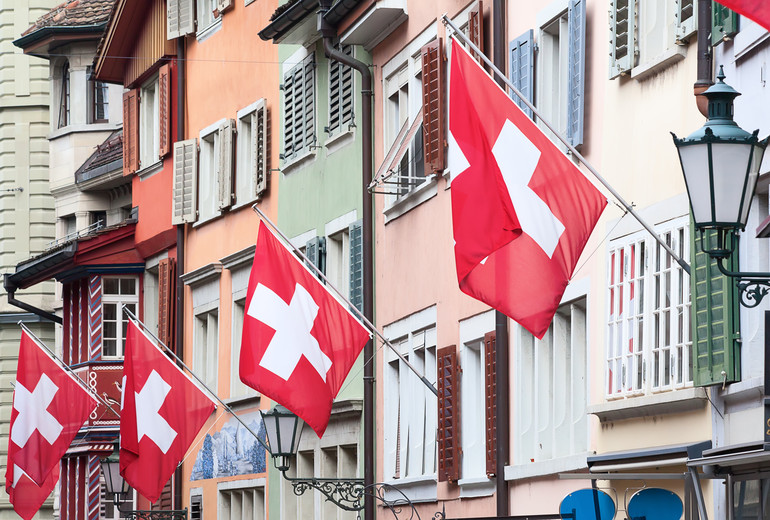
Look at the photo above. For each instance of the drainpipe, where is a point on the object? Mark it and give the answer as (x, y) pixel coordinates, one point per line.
(705, 57)
(329, 33)
(11, 290)
(499, 50)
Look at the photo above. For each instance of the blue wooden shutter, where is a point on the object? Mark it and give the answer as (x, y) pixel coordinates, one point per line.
(724, 23)
(522, 68)
(715, 318)
(355, 234)
(577, 57)
(622, 36)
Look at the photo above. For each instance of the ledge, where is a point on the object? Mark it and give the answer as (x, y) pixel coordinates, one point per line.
(546, 467)
(240, 258)
(658, 63)
(202, 274)
(294, 163)
(418, 489)
(411, 200)
(476, 487)
(676, 401)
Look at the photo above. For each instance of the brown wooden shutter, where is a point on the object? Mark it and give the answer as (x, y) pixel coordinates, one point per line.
(164, 117)
(476, 27)
(130, 131)
(166, 300)
(490, 391)
(433, 106)
(448, 415)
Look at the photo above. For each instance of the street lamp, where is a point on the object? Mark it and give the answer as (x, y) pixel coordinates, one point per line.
(721, 162)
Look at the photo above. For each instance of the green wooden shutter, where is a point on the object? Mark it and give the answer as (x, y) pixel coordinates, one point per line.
(622, 36)
(577, 57)
(522, 68)
(289, 112)
(340, 92)
(724, 23)
(315, 250)
(307, 98)
(714, 317)
(356, 284)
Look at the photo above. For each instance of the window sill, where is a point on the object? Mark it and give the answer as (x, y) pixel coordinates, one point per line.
(418, 489)
(675, 401)
(209, 31)
(80, 128)
(476, 487)
(339, 139)
(208, 218)
(411, 200)
(658, 63)
(546, 467)
(243, 401)
(146, 173)
(295, 163)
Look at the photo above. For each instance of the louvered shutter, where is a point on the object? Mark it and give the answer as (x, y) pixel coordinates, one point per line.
(490, 405)
(577, 56)
(685, 20)
(433, 109)
(180, 19)
(224, 5)
(340, 92)
(196, 507)
(315, 250)
(166, 300)
(130, 131)
(476, 27)
(356, 283)
(724, 23)
(225, 164)
(308, 101)
(622, 36)
(714, 317)
(164, 116)
(290, 114)
(260, 168)
(299, 107)
(448, 415)
(185, 181)
(522, 68)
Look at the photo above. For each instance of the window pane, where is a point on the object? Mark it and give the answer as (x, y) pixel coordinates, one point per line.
(111, 286)
(127, 286)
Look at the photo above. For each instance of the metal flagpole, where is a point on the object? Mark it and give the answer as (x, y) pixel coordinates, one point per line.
(368, 324)
(67, 368)
(198, 379)
(457, 33)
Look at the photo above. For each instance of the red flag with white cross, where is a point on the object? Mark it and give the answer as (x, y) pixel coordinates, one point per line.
(521, 210)
(25, 495)
(49, 407)
(161, 413)
(757, 10)
(299, 342)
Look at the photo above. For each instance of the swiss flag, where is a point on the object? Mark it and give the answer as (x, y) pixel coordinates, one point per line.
(162, 412)
(299, 343)
(757, 10)
(25, 495)
(49, 407)
(521, 210)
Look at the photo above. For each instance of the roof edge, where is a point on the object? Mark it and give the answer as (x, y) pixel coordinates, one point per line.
(45, 32)
(288, 19)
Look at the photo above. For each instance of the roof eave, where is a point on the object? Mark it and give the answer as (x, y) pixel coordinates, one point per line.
(287, 20)
(42, 38)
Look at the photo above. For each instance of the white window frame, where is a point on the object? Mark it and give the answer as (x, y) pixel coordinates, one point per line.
(245, 188)
(121, 320)
(204, 284)
(239, 265)
(208, 24)
(208, 179)
(659, 46)
(149, 123)
(234, 498)
(552, 72)
(338, 251)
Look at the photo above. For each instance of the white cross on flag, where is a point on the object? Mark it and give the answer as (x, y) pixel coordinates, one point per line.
(162, 412)
(522, 212)
(299, 342)
(49, 407)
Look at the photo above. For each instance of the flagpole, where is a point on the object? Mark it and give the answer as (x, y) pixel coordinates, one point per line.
(67, 368)
(198, 379)
(457, 33)
(352, 307)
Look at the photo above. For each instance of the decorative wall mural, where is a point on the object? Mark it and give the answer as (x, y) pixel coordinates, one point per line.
(232, 450)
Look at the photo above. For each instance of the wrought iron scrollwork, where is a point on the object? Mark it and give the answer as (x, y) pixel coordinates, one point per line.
(753, 291)
(158, 514)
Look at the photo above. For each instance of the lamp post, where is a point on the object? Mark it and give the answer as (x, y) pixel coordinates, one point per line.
(721, 162)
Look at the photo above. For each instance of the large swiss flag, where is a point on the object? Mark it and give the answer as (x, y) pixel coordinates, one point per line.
(162, 412)
(25, 495)
(757, 10)
(299, 342)
(521, 210)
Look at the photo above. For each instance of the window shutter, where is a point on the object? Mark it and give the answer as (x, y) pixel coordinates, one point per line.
(433, 109)
(724, 23)
(196, 507)
(260, 168)
(315, 250)
(622, 36)
(225, 164)
(308, 100)
(130, 131)
(448, 415)
(577, 58)
(490, 390)
(715, 318)
(356, 283)
(522, 68)
(166, 300)
(340, 92)
(290, 114)
(185, 181)
(476, 27)
(164, 116)
(180, 18)
(299, 107)
(685, 24)
(224, 5)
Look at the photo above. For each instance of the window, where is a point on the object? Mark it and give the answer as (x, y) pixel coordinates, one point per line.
(239, 265)
(98, 107)
(724, 23)
(410, 408)
(206, 346)
(196, 507)
(551, 389)
(64, 101)
(149, 124)
(117, 291)
(299, 108)
(242, 503)
(340, 93)
(338, 260)
(648, 346)
(206, 16)
(207, 174)
(251, 169)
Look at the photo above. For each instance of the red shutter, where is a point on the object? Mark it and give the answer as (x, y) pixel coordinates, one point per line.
(476, 27)
(166, 299)
(130, 131)
(66, 325)
(433, 108)
(448, 415)
(490, 391)
(164, 87)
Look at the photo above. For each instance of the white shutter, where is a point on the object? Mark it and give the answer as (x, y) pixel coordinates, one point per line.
(185, 181)
(223, 5)
(225, 163)
(180, 19)
(259, 167)
(686, 19)
(622, 36)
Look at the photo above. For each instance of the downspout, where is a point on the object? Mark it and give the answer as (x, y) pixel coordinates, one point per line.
(329, 33)
(499, 51)
(179, 332)
(11, 290)
(705, 57)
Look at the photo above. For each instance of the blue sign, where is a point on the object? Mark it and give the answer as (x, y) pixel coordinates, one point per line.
(587, 504)
(660, 504)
